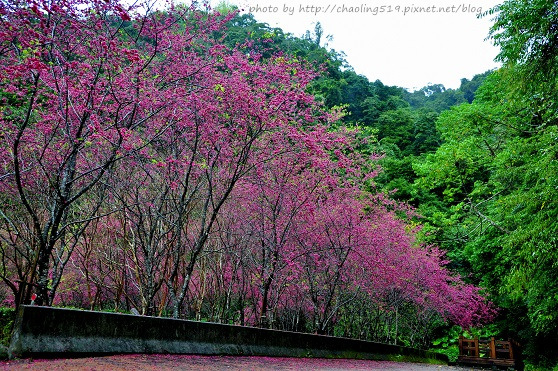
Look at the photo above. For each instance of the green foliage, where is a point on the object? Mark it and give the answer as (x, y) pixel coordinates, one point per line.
(527, 33)
(7, 316)
(489, 192)
(496, 175)
(437, 98)
(448, 343)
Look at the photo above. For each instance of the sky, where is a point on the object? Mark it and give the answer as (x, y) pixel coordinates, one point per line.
(406, 43)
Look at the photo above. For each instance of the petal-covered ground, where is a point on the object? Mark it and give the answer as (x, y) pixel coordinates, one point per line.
(138, 362)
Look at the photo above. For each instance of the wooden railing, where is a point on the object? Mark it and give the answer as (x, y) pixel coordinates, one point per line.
(488, 352)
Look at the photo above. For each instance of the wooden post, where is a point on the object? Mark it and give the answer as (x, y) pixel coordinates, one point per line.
(461, 345)
(510, 341)
(492, 348)
(477, 353)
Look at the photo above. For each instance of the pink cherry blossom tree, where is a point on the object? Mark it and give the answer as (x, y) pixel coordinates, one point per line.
(85, 88)
(151, 167)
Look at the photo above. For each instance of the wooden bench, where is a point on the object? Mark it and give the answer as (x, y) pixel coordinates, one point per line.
(490, 353)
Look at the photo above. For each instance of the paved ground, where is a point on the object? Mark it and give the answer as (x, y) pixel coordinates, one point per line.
(139, 362)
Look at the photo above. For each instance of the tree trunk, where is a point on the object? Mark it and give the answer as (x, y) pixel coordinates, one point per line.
(43, 264)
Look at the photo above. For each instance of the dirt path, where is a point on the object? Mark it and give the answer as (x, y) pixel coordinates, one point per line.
(139, 362)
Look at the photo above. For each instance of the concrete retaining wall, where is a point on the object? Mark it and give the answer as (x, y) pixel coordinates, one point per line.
(43, 331)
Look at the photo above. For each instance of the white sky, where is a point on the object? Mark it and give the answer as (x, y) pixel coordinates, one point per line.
(409, 50)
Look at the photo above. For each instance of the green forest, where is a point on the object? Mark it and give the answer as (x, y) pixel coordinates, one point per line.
(260, 159)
